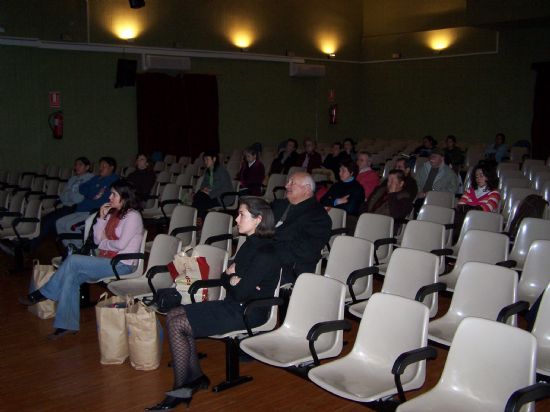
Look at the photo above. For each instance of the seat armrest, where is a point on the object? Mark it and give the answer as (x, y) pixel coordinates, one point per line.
(217, 238)
(43, 197)
(203, 283)
(428, 290)
(152, 272)
(401, 221)
(358, 274)
(531, 393)
(406, 359)
(449, 226)
(124, 256)
(18, 220)
(227, 194)
(381, 242)
(507, 263)
(442, 252)
(323, 327)
(276, 189)
(168, 202)
(187, 186)
(183, 229)
(338, 231)
(259, 303)
(513, 309)
(10, 214)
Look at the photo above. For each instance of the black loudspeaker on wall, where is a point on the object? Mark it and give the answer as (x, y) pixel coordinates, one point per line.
(126, 73)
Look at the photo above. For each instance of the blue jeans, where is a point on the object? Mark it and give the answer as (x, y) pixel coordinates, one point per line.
(64, 285)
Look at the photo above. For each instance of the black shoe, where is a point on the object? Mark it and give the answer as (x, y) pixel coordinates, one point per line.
(32, 298)
(169, 403)
(59, 332)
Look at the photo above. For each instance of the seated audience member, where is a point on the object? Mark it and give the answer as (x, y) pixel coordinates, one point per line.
(346, 194)
(404, 165)
(367, 177)
(252, 173)
(143, 178)
(95, 192)
(302, 229)
(215, 182)
(286, 158)
(395, 201)
(497, 151)
(454, 155)
(118, 229)
(349, 148)
(253, 275)
(309, 158)
(69, 198)
(435, 175)
(335, 158)
(425, 150)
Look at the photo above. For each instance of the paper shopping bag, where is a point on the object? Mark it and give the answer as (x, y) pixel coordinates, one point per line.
(40, 275)
(111, 329)
(144, 337)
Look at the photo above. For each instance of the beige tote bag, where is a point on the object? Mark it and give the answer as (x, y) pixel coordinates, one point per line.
(111, 329)
(144, 337)
(40, 275)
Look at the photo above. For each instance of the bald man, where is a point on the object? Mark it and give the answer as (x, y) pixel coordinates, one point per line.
(302, 229)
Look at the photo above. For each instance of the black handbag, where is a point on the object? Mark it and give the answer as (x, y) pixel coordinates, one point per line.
(166, 299)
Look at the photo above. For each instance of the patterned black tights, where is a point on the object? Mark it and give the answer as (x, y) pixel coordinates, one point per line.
(185, 362)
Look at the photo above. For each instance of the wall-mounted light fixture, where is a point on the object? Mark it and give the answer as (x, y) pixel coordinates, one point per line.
(439, 40)
(136, 4)
(328, 43)
(242, 38)
(331, 56)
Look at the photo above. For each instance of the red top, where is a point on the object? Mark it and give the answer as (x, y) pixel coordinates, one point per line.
(488, 201)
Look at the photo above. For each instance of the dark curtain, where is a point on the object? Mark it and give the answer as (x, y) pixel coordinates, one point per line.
(540, 129)
(177, 115)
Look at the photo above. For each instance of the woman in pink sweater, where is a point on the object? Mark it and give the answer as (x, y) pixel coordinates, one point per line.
(118, 230)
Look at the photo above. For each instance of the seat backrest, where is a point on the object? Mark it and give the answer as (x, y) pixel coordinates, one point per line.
(444, 199)
(392, 325)
(184, 216)
(530, 229)
(16, 204)
(480, 360)
(217, 223)
(438, 214)
(418, 164)
(539, 180)
(158, 166)
(408, 270)
(276, 179)
(163, 250)
(479, 220)
(482, 290)
(31, 229)
(217, 263)
(514, 195)
(504, 168)
(338, 220)
(347, 254)
(315, 299)
(541, 328)
(482, 246)
(372, 227)
(536, 271)
(423, 235)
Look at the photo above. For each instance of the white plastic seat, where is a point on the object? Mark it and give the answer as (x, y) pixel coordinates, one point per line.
(227, 196)
(217, 225)
(541, 331)
(347, 255)
(443, 199)
(530, 229)
(15, 209)
(426, 236)
(166, 203)
(442, 215)
(540, 178)
(509, 183)
(505, 167)
(379, 230)
(486, 363)
(391, 325)
(479, 220)
(545, 191)
(477, 246)
(159, 277)
(314, 299)
(408, 271)
(182, 225)
(275, 182)
(536, 272)
(482, 291)
(515, 194)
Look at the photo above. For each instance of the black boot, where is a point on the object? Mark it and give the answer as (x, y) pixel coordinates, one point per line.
(32, 298)
(168, 403)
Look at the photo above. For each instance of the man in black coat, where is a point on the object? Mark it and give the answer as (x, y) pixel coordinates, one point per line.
(302, 229)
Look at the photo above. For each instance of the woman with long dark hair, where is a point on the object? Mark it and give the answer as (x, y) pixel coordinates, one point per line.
(253, 275)
(483, 192)
(118, 229)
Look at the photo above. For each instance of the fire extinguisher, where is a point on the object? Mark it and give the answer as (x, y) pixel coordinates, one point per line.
(55, 122)
(332, 112)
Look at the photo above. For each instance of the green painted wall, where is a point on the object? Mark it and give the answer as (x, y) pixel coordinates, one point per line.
(472, 97)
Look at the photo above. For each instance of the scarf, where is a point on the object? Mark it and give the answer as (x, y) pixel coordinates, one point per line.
(110, 233)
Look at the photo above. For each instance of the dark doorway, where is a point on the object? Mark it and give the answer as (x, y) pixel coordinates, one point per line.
(177, 115)
(540, 129)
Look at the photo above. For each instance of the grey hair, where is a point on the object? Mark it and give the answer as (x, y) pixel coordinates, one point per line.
(308, 180)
